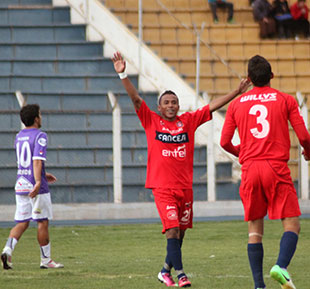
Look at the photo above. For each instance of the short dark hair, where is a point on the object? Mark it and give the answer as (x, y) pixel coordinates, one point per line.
(164, 93)
(28, 113)
(259, 71)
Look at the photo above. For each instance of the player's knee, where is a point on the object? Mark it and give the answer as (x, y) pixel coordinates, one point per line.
(255, 237)
(173, 233)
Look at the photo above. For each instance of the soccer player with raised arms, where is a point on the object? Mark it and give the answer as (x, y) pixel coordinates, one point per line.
(261, 116)
(170, 140)
(33, 200)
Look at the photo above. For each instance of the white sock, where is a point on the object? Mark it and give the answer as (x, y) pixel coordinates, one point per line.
(45, 253)
(10, 245)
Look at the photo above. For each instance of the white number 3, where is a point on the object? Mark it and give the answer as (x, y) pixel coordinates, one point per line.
(261, 119)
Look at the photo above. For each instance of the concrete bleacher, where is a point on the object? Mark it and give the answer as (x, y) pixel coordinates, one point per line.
(172, 38)
(50, 62)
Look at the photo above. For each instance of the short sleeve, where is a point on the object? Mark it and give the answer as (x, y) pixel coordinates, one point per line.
(40, 146)
(200, 116)
(144, 114)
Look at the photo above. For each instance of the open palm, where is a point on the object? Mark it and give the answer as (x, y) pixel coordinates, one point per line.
(119, 62)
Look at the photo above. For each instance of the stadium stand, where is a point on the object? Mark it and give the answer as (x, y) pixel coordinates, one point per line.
(168, 29)
(50, 62)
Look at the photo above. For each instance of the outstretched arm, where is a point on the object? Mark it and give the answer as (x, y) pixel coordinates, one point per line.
(120, 66)
(220, 101)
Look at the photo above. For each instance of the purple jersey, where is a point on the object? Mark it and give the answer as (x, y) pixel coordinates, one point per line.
(30, 144)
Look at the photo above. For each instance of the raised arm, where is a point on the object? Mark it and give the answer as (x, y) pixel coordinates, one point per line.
(120, 66)
(222, 100)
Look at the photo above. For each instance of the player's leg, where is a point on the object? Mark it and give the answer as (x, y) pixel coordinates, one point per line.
(168, 204)
(167, 208)
(168, 264)
(284, 205)
(174, 255)
(186, 222)
(14, 236)
(288, 246)
(42, 213)
(255, 205)
(256, 251)
(22, 217)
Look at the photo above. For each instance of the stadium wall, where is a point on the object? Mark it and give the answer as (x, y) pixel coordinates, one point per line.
(108, 211)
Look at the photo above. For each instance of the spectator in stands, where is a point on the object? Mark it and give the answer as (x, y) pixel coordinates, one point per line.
(263, 14)
(283, 18)
(214, 4)
(300, 12)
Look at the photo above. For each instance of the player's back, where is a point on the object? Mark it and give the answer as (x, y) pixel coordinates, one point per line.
(30, 144)
(261, 116)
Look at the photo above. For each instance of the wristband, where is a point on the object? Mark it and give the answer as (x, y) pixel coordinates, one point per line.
(122, 75)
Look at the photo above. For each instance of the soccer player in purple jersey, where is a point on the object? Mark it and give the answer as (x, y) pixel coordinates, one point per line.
(33, 200)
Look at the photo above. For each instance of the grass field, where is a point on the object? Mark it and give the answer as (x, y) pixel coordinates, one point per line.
(130, 256)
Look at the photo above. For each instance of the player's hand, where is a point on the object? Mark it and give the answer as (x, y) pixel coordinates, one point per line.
(50, 178)
(244, 85)
(119, 62)
(35, 190)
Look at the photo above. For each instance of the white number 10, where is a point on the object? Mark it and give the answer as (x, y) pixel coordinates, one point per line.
(24, 154)
(261, 119)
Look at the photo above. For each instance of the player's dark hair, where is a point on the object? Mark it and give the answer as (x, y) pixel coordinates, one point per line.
(259, 71)
(164, 93)
(28, 113)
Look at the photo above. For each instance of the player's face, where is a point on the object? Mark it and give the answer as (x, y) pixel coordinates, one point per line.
(39, 120)
(169, 106)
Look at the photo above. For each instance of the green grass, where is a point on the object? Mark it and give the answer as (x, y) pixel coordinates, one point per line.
(130, 256)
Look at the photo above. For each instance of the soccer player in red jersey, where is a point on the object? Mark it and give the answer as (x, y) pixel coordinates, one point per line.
(261, 116)
(170, 141)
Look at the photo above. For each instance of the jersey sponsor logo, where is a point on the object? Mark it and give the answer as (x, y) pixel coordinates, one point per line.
(173, 131)
(23, 185)
(179, 152)
(169, 138)
(263, 97)
(172, 215)
(170, 207)
(42, 142)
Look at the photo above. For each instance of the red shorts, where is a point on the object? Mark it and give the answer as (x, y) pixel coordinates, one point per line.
(266, 186)
(175, 208)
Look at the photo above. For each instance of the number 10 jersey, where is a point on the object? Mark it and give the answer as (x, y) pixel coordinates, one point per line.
(30, 144)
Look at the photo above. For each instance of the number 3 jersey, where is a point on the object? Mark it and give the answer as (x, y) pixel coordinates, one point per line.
(261, 116)
(30, 144)
(171, 147)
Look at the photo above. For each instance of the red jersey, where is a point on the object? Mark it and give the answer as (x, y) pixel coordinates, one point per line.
(171, 147)
(261, 116)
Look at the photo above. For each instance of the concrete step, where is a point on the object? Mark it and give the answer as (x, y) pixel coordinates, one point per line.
(62, 83)
(46, 33)
(34, 16)
(51, 50)
(46, 67)
(10, 3)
